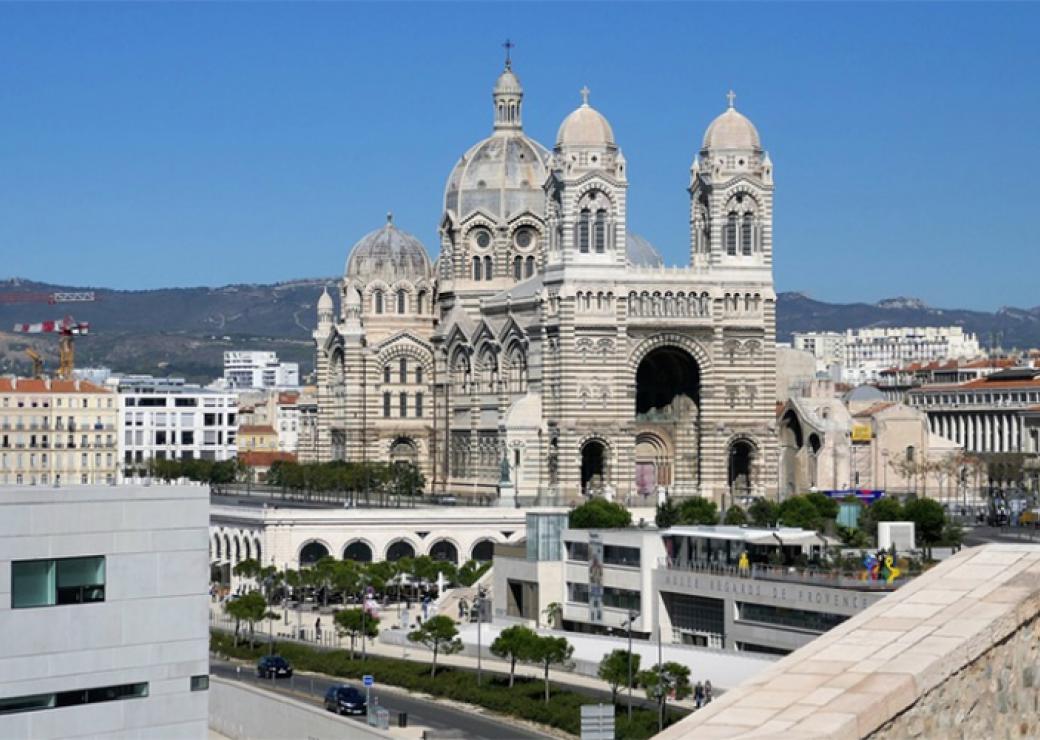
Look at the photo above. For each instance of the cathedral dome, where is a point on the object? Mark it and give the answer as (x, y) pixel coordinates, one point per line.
(640, 252)
(502, 175)
(732, 130)
(388, 254)
(586, 126)
(325, 302)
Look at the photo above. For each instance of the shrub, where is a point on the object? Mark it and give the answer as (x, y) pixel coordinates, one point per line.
(599, 513)
(698, 510)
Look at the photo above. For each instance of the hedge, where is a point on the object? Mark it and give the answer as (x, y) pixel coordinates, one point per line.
(525, 700)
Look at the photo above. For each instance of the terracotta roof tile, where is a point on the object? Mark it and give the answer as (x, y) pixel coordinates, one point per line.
(256, 429)
(261, 459)
(42, 385)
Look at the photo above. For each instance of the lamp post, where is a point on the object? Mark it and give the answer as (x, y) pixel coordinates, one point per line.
(479, 603)
(628, 624)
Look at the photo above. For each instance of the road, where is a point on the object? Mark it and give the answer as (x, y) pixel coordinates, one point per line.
(438, 717)
(983, 535)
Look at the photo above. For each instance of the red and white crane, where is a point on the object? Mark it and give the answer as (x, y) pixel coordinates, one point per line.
(67, 327)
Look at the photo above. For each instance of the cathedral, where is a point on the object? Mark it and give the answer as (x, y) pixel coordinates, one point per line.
(548, 352)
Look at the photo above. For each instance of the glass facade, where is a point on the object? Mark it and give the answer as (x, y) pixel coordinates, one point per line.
(695, 613)
(37, 583)
(784, 617)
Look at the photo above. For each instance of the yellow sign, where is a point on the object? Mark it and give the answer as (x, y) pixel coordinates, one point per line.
(861, 433)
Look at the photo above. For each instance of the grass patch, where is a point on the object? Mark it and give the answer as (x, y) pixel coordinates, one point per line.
(526, 700)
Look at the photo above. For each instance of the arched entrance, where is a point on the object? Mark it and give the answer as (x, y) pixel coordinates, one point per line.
(593, 466)
(741, 455)
(400, 549)
(653, 463)
(404, 450)
(358, 551)
(445, 551)
(483, 551)
(668, 385)
(311, 553)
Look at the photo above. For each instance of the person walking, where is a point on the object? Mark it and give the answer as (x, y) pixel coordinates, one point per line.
(707, 692)
(462, 609)
(698, 695)
(317, 630)
(426, 607)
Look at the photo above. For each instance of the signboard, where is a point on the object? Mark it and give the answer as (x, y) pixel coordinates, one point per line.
(861, 433)
(368, 680)
(595, 578)
(597, 722)
(865, 495)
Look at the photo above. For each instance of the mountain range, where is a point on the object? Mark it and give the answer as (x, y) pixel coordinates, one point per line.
(185, 331)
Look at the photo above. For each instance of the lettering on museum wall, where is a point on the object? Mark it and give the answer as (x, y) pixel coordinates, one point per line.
(767, 592)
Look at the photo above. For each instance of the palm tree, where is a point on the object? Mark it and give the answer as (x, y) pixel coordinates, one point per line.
(554, 614)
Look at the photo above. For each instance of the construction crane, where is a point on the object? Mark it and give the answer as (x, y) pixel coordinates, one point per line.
(37, 361)
(68, 328)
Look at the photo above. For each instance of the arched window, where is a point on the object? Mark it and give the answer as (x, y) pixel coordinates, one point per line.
(403, 403)
(386, 373)
(418, 373)
(529, 267)
(518, 268)
(386, 405)
(377, 300)
(488, 271)
(476, 268)
(402, 301)
(731, 235)
(601, 231)
(402, 371)
(583, 230)
(747, 232)
(421, 302)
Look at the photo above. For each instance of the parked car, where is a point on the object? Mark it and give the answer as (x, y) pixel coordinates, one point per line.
(344, 699)
(273, 666)
(1030, 517)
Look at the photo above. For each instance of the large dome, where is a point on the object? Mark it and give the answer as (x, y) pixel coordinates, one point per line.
(586, 126)
(732, 130)
(502, 176)
(388, 254)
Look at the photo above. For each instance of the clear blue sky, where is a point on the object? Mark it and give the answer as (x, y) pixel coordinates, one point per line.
(148, 145)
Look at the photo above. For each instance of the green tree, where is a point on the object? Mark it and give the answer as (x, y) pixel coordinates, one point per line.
(763, 512)
(798, 511)
(440, 635)
(250, 608)
(513, 644)
(735, 516)
(472, 571)
(698, 510)
(826, 507)
(355, 623)
(929, 518)
(550, 651)
(662, 680)
(667, 515)
(598, 513)
(614, 669)
(553, 614)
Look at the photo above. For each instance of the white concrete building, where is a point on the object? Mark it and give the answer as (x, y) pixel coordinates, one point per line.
(828, 347)
(168, 419)
(250, 370)
(103, 612)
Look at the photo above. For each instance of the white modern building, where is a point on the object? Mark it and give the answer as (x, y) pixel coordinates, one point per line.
(253, 370)
(864, 353)
(168, 419)
(103, 612)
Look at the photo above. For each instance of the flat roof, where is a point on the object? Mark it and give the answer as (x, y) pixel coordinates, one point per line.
(749, 535)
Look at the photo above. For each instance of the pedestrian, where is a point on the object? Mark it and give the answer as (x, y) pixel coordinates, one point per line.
(707, 692)
(426, 607)
(462, 609)
(698, 694)
(317, 630)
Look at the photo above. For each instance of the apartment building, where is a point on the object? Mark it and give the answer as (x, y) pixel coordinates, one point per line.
(168, 419)
(57, 432)
(253, 370)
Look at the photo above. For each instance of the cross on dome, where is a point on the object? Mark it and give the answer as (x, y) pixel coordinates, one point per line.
(508, 46)
(585, 95)
(389, 217)
(731, 96)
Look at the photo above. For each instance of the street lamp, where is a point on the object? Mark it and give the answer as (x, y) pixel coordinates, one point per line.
(628, 624)
(479, 603)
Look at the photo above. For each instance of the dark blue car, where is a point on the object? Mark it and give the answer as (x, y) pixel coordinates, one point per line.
(343, 699)
(273, 666)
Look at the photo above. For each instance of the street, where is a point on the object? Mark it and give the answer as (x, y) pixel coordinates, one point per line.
(438, 717)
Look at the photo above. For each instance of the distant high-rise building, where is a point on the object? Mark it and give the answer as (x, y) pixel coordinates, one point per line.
(253, 370)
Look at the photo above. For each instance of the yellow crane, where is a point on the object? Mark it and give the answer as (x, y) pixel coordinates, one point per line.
(37, 361)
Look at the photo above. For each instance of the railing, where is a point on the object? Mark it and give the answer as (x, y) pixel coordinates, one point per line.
(789, 574)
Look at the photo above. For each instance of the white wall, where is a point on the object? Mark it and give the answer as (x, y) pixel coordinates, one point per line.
(152, 626)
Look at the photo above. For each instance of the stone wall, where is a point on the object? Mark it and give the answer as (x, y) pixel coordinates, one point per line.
(997, 696)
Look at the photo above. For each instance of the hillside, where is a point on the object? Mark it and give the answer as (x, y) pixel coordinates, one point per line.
(184, 331)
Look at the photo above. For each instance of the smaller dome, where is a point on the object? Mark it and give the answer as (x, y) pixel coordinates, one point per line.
(508, 84)
(388, 254)
(353, 298)
(732, 130)
(586, 126)
(325, 302)
(640, 252)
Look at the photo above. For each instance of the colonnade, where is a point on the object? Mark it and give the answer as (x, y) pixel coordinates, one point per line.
(980, 431)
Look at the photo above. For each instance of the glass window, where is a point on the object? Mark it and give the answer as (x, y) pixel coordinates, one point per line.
(601, 230)
(386, 405)
(518, 268)
(200, 683)
(529, 267)
(418, 404)
(418, 373)
(386, 373)
(50, 582)
(488, 270)
(402, 301)
(403, 403)
(577, 551)
(731, 235)
(583, 230)
(377, 298)
(578, 592)
(402, 370)
(476, 268)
